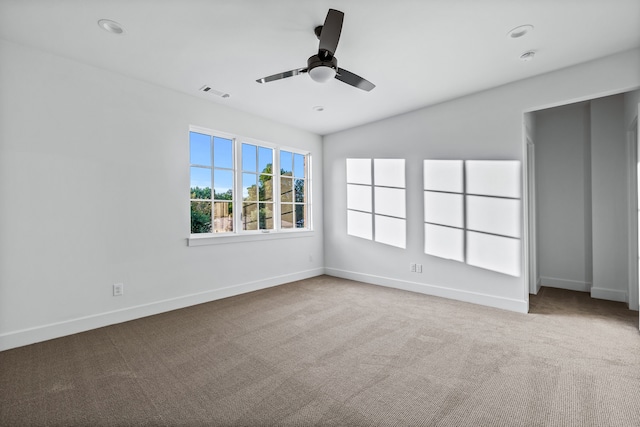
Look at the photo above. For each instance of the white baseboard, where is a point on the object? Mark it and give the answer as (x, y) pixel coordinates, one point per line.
(609, 294)
(55, 330)
(455, 294)
(572, 285)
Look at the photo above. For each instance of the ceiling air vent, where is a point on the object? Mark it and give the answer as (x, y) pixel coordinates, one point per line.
(209, 89)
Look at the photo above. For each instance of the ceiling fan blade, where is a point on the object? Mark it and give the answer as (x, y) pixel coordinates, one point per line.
(330, 33)
(282, 75)
(354, 80)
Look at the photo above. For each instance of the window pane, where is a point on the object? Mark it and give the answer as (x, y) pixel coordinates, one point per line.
(222, 184)
(286, 189)
(200, 183)
(301, 216)
(266, 216)
(266, 188)
(286, 163)
(200, 149)
(286, 216)
(249, 188)
(222, 153)
(222, 217)
(200, 217)
(298, 165)
(249, 216)
(249, 157)
(265, 160)
(299, 190)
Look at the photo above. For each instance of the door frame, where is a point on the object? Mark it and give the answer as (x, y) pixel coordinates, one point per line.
(532, 258)
(529, 241)
(633, 147)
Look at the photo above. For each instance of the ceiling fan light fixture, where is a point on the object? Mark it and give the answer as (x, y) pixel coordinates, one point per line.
(322, 73)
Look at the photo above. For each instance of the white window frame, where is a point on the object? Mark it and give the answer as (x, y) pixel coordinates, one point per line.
(238, 234)
(307, 178)
(238, 181)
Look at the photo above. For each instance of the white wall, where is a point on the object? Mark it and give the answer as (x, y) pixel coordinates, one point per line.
(609, 194)
(563, 197)
(94, 181)
(486, 125)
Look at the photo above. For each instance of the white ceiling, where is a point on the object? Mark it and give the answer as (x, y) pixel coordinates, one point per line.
(417, 52)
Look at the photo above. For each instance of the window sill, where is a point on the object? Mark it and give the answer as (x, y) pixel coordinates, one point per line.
(209, 239)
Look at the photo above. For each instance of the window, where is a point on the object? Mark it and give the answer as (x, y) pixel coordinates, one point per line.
(211, 167)
(293, 190)
(230, 172)
(257, 187)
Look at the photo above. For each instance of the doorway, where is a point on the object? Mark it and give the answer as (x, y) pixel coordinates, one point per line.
(581, 180)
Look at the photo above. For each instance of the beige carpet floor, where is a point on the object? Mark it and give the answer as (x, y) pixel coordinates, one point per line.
(333, 352)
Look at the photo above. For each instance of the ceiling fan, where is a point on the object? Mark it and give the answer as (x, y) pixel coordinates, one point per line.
(323, 66)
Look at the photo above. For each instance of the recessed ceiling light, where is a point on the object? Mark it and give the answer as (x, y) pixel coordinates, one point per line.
(520, 31)
(318, 108)
(528, 56)
(111, 26)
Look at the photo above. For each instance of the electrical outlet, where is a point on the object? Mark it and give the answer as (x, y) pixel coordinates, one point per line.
(412, 267)
(118, 289)
(418, 268)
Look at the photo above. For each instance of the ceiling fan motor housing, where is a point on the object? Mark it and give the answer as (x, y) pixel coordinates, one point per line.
(322, 70)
